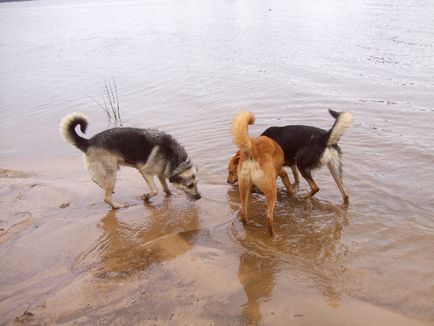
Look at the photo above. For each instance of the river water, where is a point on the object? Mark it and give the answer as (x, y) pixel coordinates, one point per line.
(187, 67)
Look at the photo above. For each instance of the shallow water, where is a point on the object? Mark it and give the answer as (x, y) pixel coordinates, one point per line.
(187, 67)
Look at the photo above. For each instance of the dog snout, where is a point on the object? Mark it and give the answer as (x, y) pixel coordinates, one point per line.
(231, 181)
(197, 196)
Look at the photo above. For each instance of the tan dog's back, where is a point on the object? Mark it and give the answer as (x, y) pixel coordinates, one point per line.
(265, 149)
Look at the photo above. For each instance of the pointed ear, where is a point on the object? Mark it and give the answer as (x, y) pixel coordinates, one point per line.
(236, 158)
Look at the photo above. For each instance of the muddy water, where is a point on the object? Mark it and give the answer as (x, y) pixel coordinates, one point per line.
(187, 67)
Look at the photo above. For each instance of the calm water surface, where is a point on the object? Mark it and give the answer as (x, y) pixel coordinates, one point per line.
(187, 67)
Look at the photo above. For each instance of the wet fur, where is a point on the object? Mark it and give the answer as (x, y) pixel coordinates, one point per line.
(260, 162)
(150, 151)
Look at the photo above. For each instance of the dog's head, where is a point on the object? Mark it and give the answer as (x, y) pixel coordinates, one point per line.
(232, 169)
(186, 180)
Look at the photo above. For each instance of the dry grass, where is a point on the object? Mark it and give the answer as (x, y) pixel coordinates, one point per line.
(110, 103)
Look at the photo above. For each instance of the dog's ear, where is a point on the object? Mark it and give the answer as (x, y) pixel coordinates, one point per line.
(175, 179)
(236, 158)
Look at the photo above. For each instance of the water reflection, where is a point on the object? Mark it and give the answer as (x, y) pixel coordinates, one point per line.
(307, 244)
(256, 275)
(129, 246)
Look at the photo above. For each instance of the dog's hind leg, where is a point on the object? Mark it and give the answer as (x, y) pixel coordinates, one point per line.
(271, 196)
(108, 190)
(244, 187)
(284, 176)
(268, 185)
(150, 181)
(103, 173)
(164, 184)
(339, 182)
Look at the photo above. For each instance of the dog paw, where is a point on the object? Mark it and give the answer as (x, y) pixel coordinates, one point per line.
(112, 203)
(291, 193)
(149, 195)
(115, 205)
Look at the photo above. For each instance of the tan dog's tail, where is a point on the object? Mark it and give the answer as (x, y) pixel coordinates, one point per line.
(240, 133)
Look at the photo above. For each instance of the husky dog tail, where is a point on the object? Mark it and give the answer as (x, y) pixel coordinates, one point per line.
(342, 124)
(67, 129)
(240, 133)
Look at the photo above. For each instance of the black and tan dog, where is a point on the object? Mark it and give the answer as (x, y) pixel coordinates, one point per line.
(260, 161)
(150, 151)
(306, 149)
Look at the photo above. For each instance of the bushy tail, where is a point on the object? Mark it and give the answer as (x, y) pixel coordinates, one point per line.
(240, 133)
(342, 123)
(67, 129)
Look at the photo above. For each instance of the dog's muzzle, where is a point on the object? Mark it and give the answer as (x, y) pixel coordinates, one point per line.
(232, 182)
(197, 197)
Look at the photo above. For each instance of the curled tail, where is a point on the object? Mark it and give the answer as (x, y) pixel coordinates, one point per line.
(342, 123)
(67, 129)
(240, 133)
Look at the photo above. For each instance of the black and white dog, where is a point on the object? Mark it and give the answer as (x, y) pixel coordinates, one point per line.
(307, 148)
(150, 151)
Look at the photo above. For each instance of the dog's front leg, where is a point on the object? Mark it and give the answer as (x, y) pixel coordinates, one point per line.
(150, 181)
(307, 174)
(285, 179)
(296, 174)
(166, 189)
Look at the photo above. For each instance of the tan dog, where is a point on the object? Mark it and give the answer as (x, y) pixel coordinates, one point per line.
(260, 162)
(233, 171)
